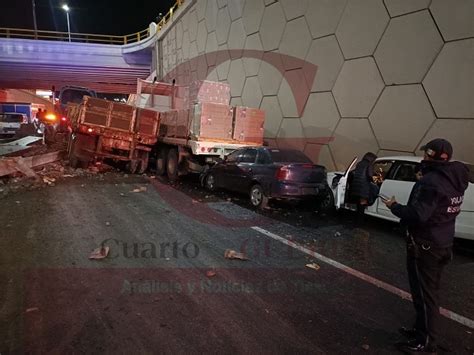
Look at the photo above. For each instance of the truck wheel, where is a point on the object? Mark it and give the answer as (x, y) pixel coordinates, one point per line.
(257, 197)
(172, 165)
(143, 162)
(133, 165)
(161, 161)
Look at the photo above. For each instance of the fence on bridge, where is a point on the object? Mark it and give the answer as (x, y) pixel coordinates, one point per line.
(85, 37)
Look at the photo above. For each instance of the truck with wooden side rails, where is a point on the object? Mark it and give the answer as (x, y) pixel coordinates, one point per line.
(102, 129)
(198, 127)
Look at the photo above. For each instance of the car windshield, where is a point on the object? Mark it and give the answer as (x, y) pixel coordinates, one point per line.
(288, 155)
(73, 95)
(11, 117)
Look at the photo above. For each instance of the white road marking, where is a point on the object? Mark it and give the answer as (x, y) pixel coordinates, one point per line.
(383, 285)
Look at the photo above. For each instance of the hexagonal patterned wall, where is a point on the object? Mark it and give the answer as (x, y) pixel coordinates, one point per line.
(336, 78)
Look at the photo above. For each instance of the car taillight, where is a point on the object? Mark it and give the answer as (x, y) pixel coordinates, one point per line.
(282, 173)
(64, 119)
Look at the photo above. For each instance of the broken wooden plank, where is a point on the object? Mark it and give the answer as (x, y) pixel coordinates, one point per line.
(10, 166)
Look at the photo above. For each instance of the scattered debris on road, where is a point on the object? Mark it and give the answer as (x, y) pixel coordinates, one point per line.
(232, 254)
(99, 253)
(313, 266)
(211, 273)
(140, 189)
(32, 309)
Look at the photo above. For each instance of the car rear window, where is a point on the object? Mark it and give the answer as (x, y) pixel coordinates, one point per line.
(288, 155)
(11, 118)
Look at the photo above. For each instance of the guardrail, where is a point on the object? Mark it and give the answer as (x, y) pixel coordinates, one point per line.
(87, 37)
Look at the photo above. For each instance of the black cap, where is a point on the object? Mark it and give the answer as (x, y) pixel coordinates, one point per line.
(438, 149)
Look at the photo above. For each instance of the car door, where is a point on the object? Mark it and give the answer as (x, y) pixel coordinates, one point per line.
(341, 188)
(399, 182)
(244, 173)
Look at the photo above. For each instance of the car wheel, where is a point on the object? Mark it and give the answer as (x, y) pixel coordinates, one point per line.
(172, 165)
(257, 197)
(161, 161)
(326, 203)
(210, 182)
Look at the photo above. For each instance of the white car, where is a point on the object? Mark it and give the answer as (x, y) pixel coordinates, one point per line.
(10, 122)
(398, 176)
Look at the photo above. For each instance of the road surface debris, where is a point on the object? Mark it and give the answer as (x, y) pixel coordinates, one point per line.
(99, 253)
(313, 266)
(232, 254)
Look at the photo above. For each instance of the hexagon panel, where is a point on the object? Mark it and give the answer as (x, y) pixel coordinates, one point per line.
(353, 137)
(320, 154)
(323, 16)
(211, 15)
(270, 78)
(455, 18)
(236, 78)
(273, 116)
(286, 97)
(291, 135)
(237, 38)
(223, 57)
(294, 9)
(357, 88)
(223, 26)
(201, 9)
(401, 116)
(193, 26)
(186, 44)
(295, 42)
(211, 49)
(404, 58)
(400, 7)
(235, 9)
(201, 37)
(361, 27)
(458, 132)
(252, 15)
(450, 81)
(272, 26)
(326, 54)
(221, 3)
(252, 65)
(252, 94)
(320, 116)
(236, 101)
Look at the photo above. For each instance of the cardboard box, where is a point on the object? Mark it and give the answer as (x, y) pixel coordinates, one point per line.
(211, 121)
(248, 125)
(209, 91)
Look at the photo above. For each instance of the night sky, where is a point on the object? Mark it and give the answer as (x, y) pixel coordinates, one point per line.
(87, 16)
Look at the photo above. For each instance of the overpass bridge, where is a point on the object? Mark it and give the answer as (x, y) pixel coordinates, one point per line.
(106, 63)
(111, 66)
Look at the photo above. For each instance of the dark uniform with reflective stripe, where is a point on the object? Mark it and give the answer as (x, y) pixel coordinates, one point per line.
(430, 217)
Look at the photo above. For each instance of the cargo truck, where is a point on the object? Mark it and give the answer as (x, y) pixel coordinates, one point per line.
(103, 129)
(199, 128)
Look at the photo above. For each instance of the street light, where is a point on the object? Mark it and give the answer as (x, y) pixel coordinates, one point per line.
(66, 8)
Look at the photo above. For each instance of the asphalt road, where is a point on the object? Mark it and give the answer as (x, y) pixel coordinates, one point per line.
(167, 288)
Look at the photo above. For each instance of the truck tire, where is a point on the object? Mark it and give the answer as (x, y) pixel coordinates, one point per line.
(143, 162)
(172, 165)
(210, 182)
(161, 161)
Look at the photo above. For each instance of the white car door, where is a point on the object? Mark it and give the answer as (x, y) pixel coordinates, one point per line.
(340, 191)
(399, 183)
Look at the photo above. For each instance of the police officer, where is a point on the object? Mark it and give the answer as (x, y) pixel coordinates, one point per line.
(429, 216)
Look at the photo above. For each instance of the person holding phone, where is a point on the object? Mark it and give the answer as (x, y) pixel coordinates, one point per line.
(429, 217)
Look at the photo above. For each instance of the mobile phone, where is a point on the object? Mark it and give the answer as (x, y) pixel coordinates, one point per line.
(384, 197)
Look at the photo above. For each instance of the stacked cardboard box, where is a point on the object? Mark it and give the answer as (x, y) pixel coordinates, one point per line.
(248, 125)
(209, 91)
(211, 121)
